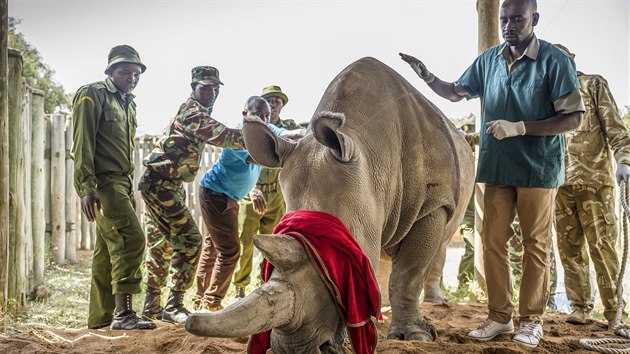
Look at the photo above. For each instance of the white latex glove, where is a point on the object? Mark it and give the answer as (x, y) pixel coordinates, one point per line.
(623, 173)
(293, 135)
(502, 129)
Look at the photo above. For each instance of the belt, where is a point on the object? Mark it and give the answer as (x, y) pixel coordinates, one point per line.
(267, 187)
(124, 174)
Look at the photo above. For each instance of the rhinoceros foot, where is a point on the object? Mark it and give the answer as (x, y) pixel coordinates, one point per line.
(417, 330)
(435, 298)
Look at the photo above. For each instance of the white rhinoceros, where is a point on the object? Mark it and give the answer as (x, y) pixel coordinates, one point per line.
(394, 170)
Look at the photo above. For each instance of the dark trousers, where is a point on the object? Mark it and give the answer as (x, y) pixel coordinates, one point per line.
(221, 245)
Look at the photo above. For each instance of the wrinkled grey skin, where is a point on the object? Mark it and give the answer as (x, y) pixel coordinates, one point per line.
(393, 169)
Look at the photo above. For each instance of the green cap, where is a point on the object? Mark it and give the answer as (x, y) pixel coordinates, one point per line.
(123, 54)
(205, 75)
(273, 90)
(565, 49)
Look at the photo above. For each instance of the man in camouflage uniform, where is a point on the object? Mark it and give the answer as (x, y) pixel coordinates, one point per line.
(262, 209)
(173, 238)
(585, 205)
(104, 115)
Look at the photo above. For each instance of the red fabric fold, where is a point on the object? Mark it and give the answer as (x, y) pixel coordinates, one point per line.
(344, 268)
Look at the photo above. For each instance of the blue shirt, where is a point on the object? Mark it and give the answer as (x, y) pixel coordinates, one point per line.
(526, 94)
(232, 175)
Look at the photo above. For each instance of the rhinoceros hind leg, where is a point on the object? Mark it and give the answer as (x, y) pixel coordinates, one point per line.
(432, 290)
(418, 330)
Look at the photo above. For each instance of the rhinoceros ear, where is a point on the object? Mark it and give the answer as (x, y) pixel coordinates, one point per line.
(284, 252)
(264, 147)
(325, 127)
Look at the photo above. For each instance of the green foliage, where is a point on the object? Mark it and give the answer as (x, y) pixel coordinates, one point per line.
(36, 73)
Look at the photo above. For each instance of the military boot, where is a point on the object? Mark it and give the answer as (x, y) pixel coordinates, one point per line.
(125, 317)
(152, 310)
(174, 311)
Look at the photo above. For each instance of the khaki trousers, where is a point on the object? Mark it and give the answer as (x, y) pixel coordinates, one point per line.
(535, 210)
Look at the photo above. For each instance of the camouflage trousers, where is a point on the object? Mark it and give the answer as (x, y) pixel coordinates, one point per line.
(252, 223)
(173, 239)
(584, 215)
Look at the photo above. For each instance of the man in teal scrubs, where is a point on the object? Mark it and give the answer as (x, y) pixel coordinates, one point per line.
(530, 95)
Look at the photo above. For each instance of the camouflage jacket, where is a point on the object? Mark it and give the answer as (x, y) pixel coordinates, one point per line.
(177, 154)
(270, 175)
(588, 156)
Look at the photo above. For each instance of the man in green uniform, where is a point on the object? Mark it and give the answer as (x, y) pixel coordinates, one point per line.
(173, 239)
(585, 205)
(104, 117)
(264, 206)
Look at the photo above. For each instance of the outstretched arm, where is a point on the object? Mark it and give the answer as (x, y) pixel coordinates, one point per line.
(442, 88)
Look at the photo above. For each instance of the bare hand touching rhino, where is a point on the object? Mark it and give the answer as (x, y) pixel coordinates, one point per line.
(418, 67)
(258, 201)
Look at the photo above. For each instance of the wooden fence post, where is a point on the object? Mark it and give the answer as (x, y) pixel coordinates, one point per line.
(4, 154)
(27, 243)
(58, 187)
(38, 178)
(17, 283)
(47, 166)
(71, 204)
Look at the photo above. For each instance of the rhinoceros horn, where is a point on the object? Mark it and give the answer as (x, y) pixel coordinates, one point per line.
(270, 306)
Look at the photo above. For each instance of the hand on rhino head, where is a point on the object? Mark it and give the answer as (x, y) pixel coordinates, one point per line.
(294, 303)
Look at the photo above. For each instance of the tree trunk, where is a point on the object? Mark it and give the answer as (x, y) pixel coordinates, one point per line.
(488, 24)
(58, 187)
(4, 154)
(488, 36)
(17, 283)
(37, 185)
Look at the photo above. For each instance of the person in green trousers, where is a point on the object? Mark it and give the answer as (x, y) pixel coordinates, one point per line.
(104, 115)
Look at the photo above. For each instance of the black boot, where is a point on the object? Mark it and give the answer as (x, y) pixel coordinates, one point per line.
(174, 311)
(125, 317)
(152, 309)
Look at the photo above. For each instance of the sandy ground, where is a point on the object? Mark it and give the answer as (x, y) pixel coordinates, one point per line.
(452, 322)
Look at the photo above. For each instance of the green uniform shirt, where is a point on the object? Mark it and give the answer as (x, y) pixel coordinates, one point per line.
(104, 129)
(176, 156)
(588, 158)
(270, 175)
(523, 92)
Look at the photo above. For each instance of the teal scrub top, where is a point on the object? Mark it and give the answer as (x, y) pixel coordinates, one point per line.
(526, 94)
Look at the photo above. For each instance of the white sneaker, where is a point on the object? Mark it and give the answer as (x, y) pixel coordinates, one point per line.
(529, 335)
(490, 329)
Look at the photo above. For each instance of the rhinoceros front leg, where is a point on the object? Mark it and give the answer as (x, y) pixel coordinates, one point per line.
(410, 263)
(432, 291)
